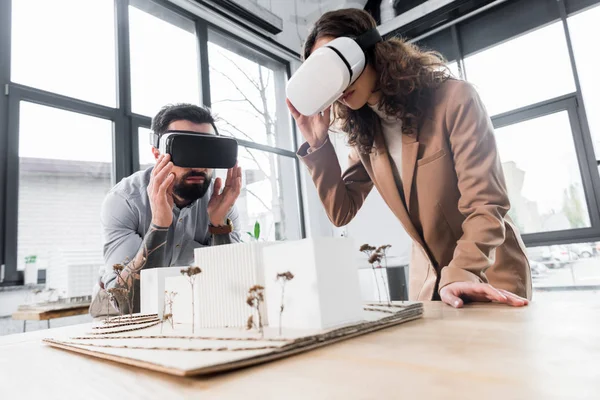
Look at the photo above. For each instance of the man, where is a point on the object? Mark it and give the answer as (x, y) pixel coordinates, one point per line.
(157, 217)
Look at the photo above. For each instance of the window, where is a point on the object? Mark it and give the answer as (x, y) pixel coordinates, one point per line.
(269, 195)
(453, 67)
(542, 174)
(248, 94)
(65, 163)
(146, 158)
(164, 58)
(523, 71)
(559, 266)
(248, 98)
(66, 47)
(68, 135)
(585, 31)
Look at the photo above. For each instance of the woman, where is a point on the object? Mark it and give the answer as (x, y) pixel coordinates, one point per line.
(425, 141)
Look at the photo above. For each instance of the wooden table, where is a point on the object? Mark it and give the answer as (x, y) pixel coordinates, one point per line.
(48, 312)
(485, 351)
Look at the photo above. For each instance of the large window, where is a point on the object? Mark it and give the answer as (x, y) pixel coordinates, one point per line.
(559, 267)
(66, 47)
(545, 195)
(146, 158)
(248, 97)
(528, 59)
(84, 79)
(529, 80)
(526, 70)
(269, 194)
(164, 58)
(585, 31)
(64, 173)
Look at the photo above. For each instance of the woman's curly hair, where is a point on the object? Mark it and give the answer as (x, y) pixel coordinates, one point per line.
(406, 74)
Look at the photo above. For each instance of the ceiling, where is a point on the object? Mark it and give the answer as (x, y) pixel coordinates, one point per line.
(294, 18)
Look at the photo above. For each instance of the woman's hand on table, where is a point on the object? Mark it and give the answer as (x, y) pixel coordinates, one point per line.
(456, 293)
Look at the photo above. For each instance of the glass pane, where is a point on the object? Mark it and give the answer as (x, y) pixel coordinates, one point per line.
(557, 270)
(248, 94)
(164, 58)
(66, 47)
(542, 175)
(585, 31)
(269, 195)
(526, 70)
(453, 66)
(145, 149)
(65, 163)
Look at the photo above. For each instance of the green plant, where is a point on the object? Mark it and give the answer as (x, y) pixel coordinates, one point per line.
(256, 234)
(30, 259)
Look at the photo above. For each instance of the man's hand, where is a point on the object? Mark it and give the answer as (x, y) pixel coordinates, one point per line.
(457, 293)
(160, 192)
(221, 202)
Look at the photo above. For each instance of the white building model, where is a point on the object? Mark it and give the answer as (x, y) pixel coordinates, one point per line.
(220, 291)
(152, 283)
(324, 293)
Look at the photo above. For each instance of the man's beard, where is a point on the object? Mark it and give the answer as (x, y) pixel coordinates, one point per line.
(192, 191)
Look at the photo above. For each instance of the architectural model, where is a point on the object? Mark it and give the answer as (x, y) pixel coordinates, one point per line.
(242, 304)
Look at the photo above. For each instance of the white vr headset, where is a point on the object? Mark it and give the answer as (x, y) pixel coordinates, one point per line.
(329, 71)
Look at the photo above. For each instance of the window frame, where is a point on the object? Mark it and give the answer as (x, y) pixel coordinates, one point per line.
(482, 31)
(125, 122)
(585, 163)
(16, 94)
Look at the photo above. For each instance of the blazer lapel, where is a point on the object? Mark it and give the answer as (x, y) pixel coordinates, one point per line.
(383, 178)
(410, 150)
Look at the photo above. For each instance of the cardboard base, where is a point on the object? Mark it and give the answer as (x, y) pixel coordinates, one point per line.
(176, 351)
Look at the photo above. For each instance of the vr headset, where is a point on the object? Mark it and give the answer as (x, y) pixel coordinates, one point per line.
(197, 150)
(329, 71)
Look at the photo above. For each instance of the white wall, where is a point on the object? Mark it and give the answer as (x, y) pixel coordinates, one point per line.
(59, 213)
(10, 300)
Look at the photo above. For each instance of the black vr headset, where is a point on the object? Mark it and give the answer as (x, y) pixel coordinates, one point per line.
(197, 150)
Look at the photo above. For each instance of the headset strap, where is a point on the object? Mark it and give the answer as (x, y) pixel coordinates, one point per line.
(155, 137)
(368, 39)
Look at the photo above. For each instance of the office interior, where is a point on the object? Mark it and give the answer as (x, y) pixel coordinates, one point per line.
(81, 80)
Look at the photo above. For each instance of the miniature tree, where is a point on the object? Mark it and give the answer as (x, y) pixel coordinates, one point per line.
(116, 295)
(256, 296)
(375, 255)
(125, 282)
(169, 297)
(166, 317)
(382, 251)
(283, 278)
(372, 257)
(110, 299)
(191, 273)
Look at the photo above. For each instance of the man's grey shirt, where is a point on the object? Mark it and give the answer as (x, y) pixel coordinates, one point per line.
(126, 217)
